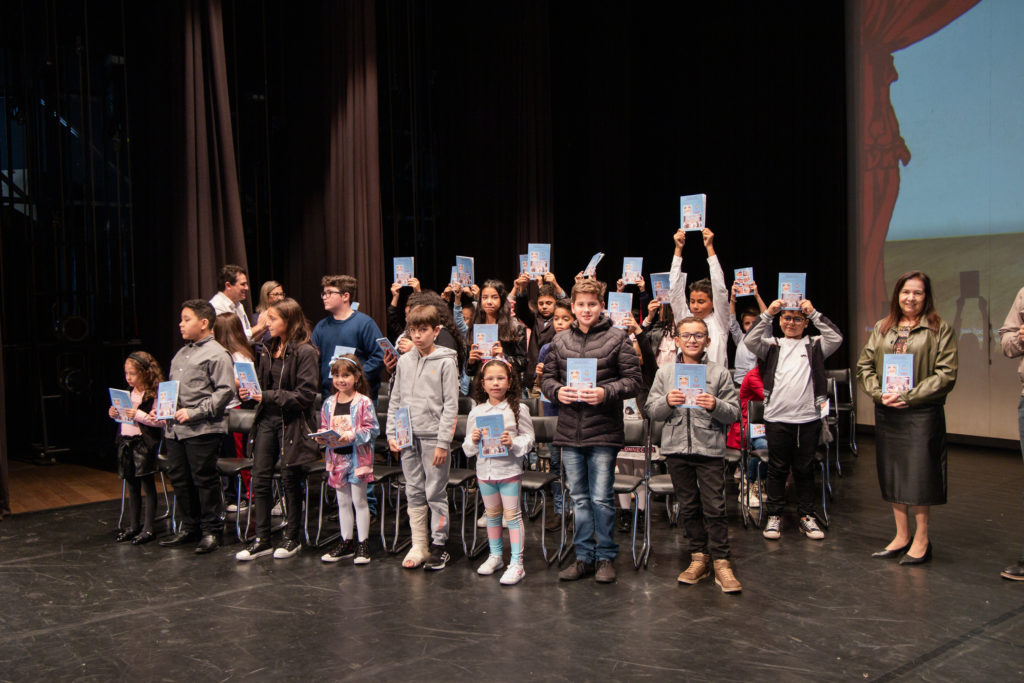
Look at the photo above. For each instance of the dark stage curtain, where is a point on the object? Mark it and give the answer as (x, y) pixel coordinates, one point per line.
(211, 224)
(340, 229)
(886, 26)
(5, 490)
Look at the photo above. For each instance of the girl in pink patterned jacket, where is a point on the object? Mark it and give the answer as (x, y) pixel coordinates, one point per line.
(349, 455)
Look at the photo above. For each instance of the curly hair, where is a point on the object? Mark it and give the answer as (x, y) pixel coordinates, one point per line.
(150, 373)
(511, 395)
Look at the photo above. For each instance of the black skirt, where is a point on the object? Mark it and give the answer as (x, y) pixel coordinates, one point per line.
(911, 458)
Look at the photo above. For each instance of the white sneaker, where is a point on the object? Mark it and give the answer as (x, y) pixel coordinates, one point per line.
(809, 526)
(492, 564)
(773, 529)
(287, 549)
(243, 506)
(513, 575)
(754, 496)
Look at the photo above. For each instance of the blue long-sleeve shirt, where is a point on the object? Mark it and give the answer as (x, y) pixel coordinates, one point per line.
(358, 331)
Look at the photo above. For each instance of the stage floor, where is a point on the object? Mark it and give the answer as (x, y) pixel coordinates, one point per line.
(77, 606)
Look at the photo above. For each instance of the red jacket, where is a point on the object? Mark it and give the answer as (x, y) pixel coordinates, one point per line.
(752, 389)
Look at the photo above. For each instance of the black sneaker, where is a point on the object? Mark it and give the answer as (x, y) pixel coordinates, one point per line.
(438, 559)
(287, 549)
(362, 553)
(340, 552)
(257, 548)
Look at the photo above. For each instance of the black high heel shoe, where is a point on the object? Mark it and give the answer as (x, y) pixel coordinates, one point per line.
(885, 554)
(125, 535)
(910, 559)
(142, 538)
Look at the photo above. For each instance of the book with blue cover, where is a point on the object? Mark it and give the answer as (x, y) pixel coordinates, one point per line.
(660, 284)
(581, 373)
(342, 351)
(743, 278)
(792, 287)
(524, 264)
(757, 430)
(491, 428)
(355, 305)
(403, 269)
(690, 378)
(166, 400)
(245, 374)
(630, 410)
(692, 209)
(122, 401)
(632, 269)
(899, 373)
(620, 304)
(539, 260)
(485, 336)
(591, 269)
(403, 428)
(385, 345)
(464, 270)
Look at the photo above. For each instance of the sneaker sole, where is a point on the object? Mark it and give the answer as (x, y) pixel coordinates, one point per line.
(813, 538)
(728, 590)
(257, 556)
(285, 555)
(361, 560)
(437, 567)
(519, 578)
(691, 582)
(772, 536)
(329, 559)
(1011, 577)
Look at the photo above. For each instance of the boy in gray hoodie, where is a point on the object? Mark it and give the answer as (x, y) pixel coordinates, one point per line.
(693, 442)
(427, 383)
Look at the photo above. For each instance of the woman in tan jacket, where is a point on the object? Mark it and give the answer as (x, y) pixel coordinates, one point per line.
(910, 425)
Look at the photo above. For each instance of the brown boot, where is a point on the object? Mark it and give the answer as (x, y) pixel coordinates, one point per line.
(699, 569)
(725, 578)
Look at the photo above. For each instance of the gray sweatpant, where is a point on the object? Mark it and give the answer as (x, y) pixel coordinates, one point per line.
(426, 484)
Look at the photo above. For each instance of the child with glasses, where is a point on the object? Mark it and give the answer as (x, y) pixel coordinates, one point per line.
(794, 391)
(693, 443)
(346, 327)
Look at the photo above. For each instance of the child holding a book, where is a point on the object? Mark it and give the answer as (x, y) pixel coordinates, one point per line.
(500, 463)
(793, 376)
(693, 443)
(708, 299)
(561, 319)
(427, 384)
(288, 371)
(351, 414)
(137, 443)
(537, 317)
(590, 429)
(511, 344)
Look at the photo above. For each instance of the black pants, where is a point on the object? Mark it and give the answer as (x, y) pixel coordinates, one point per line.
(791, 446)
(699, 484)
(265, 453)
(192, 466)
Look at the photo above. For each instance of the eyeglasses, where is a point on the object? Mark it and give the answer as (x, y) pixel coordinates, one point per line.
(793, 319)
(687, 336)
(326, 294)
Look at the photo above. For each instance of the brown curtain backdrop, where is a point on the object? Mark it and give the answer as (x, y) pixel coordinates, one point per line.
(5, 490)
(211, 224)
(340, 229)
(885, 26)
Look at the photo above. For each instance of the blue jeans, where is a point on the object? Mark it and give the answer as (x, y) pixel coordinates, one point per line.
(758, 443)
(590, 474)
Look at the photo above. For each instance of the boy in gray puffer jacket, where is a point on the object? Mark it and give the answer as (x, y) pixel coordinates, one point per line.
(693, 442)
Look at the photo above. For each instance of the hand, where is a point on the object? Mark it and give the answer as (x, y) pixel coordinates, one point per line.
(440, 455)
(390, 361)
(653, 308)
(506, 439)
(641, 285)
(631, 325)
(112, 413)
(550, 278)
(456, 289)
(245, 396)
(345, 438)
(732, 292)
(447, 293)
(592, 396)
(404, 345)
(414, 282)
(709, 238)
(567, 396)
(322, 440)
(620, 285)
(539, 370)
(706, 401)
(475, 354)
(679, 238)
(806, 307)
(497, 351)
(474, 436)
(753, 288)
(774, 307)
(181, 416)
(393, 445)
(475, 291)
(675, 398)
(130, 413)
(893, 401)
(522, 282)
(580, 277)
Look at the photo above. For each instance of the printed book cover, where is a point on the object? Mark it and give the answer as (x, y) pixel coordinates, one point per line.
(122, 401)
(166, 400)
(342, 351)
(385, 345)
(660, 286)
(464, 268)
(491, 428)
(485, 336)
(403, 428)
(632, 269)
(245, 373)
(690, 379)
(899, 373)
(539, 260)
(581, 373)
(403, 269)
(591, 269)
(692, 209)
(791, 290)
(744, 279)
(620, 304)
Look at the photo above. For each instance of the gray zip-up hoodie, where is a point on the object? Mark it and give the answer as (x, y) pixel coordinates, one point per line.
(429, 387)
(694, 431)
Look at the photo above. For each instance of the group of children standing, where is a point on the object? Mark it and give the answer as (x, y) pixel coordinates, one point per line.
(534, 347)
